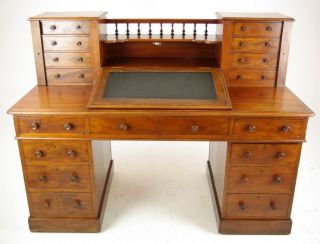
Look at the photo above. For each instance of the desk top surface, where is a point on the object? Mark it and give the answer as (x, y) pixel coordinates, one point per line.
(246, 101)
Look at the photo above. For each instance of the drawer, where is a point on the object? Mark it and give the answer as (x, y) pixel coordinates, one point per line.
(238, 77)
(53, 152)
(269, 128)
(266, 206)
(59, 178)
(256, 29)
(265, 45)
(49, 204)
(64, 43)
(65, 27)
(195, 126)
(59, 125)
(262, 61)
(265, 154)
(64, 60)
(125, 126)
(261, 179)
(69, 76)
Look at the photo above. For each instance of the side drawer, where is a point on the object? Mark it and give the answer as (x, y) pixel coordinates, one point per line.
(266, 206)
(269, 128)
(239, 77)
(44, 124)
(256, 29)
(261, 61)
(50, 204)
(69, 76)
(47, 151)
(265, 45)
(65, 43)
(66, 60)
(265, 154)
(59, 178)
(65, 27)
(261, 179)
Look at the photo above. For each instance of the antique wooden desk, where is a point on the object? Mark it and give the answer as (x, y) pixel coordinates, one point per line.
(255, 124)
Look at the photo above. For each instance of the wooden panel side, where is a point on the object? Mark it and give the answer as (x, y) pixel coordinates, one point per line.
(95, 49)
(226, 49)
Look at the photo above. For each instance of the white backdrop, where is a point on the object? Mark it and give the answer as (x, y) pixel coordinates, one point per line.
(18, 75)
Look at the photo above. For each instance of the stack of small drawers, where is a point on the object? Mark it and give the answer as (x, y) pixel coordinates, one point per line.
(254, 53)
(67, 52)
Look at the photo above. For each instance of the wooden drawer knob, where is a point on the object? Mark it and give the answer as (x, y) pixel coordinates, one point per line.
(56, 59)
(242, 205)
(263, 77)
(252, 128)
(39, 154)
(267, 44)
(79, 43)
(43, 178)
(243, 28)
(35, 126)
(74, 178)
(53, 27)
(67, 126)
(46, 203)
(276, 179)
(241, 60)
(239, 77)
(273, 205)
(281, 155)
(269, 28)
(77, 203)
(194, 128)
(54, 43)
(244, 179)
(242, 44)
(80, 59)
(79, 27)
(57, 76)
(247, 154)
(266, 60)
(285, 128)
(123, 127)
(71, 153)
(81, 76)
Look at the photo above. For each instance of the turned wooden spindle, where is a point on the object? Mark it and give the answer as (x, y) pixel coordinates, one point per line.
(161, 30)
(183, 30)
(139, 31)
(116, 30)
(206, 32)
(172, 30)
(150, 30)
(127, 31)
(194, 30)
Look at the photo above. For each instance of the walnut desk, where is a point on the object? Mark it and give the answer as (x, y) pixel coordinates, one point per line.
(255, 125)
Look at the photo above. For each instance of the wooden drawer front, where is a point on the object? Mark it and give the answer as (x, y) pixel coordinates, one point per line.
(55, 151)
(77, 60)
(105, 125)
(269, 128)
(257, 29)
(261, 179)
(49, 204)
(263, 61)
(65, 27)
(238, 77)
(71, 43)
(265, 45)
(195, 126)
(57, 178)
(258, 205)
(61, 125)
(69, 76)
(265, 154)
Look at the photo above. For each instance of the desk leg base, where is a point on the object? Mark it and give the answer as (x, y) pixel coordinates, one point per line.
(246, 226)
(60, 224)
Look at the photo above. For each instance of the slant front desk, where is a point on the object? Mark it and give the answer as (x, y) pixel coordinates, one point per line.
(219, 80)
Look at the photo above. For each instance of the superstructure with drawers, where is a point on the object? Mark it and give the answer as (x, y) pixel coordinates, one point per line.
(254, 124)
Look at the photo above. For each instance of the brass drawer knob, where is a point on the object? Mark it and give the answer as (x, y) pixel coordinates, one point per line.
(43, 178)
(79, 43)
(57, 76)
(80, 59)
(35, 126)
(79, 27)
(267, 44)
(46, 203)
(56, 59)
(285, 128)
(244, 179)
(71, 153)
(74, 178)
(263, 77)
(276, 179)
(242, 205)
(243, 28)
(77, 203)
(242, 60)
(67, 126)
(281, 155)
(242, 44)
(39, 154)
(252, 128)
(266, 60)
(239, 77)
(194, 128)
(54, 43)
(123, 127)
(81, 76)
(269, 28)
(247, 154)
(53, 27)
(273, 205)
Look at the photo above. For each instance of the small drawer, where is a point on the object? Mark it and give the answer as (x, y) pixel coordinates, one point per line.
(65, 43)
(65, 27)
(69, 76)
(266, 206)
(265, 45)
(55, 152)
(256, 29)
(265, 154)
(269, 128)
(65, 60)
(124, 126)
(238, 77)
(59, 178)
(50, 204)
(261, 179)
(262, 61)
(195, 126)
